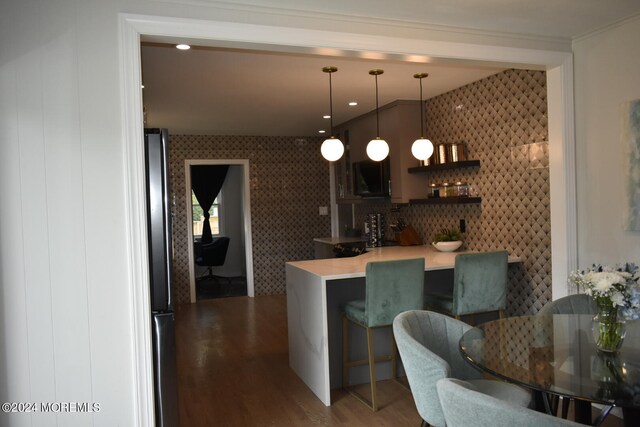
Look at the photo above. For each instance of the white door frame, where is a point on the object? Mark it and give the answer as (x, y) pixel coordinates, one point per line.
(246, 213)
(558, 64)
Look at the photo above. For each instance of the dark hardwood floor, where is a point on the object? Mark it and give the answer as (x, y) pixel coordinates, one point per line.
(233, 370)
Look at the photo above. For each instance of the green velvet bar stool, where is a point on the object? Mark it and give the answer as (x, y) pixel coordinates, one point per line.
(392, 287)
(479, 286)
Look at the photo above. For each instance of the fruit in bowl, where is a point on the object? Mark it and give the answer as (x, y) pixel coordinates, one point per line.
(447, 240)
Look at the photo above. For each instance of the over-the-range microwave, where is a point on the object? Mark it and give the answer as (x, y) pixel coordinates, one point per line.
(371, 178)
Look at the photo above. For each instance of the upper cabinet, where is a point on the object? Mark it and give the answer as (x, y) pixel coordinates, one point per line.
(399, 126)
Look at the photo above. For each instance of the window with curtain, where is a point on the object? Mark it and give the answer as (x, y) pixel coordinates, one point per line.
(206, 183)
(214, 216)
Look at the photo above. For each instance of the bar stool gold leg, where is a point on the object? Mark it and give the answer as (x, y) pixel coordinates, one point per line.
(394, 358)
(372, 369)
(345, 352)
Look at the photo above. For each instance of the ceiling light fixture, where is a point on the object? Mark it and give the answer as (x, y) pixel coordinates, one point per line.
(422, 148)
(332, 148)
(183, 46)
(377, 149)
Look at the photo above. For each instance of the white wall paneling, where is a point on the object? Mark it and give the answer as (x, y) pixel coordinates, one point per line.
(606, 76)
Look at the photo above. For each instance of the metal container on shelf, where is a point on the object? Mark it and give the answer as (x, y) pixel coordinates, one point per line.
(456, 152)
(443, 155)
(432, 160)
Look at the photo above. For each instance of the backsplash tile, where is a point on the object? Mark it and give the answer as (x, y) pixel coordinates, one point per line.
(503, 121)
(289, 179)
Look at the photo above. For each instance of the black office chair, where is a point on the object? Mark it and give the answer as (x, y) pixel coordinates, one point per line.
(212, 255)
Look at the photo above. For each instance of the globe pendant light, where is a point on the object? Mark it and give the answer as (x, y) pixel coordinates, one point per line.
(332, 148)
(422, 148)
(377, 149)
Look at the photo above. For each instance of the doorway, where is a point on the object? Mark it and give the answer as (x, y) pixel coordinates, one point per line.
(235, 223)
(307, 40)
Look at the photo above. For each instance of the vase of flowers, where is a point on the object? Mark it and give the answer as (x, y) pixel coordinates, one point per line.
(615, 292)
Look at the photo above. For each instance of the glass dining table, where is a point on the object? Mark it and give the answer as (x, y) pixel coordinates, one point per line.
(556, 355)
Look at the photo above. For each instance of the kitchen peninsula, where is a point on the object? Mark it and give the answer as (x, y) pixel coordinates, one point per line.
(316, 289)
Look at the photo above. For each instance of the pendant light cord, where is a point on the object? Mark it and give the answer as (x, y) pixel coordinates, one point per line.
(377, 111)
(331, 105)
(421, 112)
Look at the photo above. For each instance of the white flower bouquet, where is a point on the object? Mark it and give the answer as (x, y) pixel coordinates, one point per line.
(611, 287)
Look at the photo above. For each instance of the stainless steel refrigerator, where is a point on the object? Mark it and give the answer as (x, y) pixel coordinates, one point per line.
(160, 255)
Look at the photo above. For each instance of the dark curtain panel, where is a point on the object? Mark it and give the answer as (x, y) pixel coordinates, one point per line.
(206, 182)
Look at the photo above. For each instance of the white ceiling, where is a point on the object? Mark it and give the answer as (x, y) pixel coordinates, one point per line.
(241, 92)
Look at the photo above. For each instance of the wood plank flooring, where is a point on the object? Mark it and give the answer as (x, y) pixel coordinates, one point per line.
(233, 370)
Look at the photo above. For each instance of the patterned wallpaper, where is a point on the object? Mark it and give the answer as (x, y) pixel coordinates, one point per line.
(289, 180)
(503, 121)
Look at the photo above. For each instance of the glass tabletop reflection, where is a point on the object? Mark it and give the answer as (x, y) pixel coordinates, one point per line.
(557, 354)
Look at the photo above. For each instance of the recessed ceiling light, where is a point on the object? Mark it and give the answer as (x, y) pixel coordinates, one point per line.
(326, 116)
(183, 46)
(142, 86)
(321, 131)
(353, 104)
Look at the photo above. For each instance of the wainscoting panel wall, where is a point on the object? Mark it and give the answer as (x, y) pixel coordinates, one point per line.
(289, 180)
(503, 121)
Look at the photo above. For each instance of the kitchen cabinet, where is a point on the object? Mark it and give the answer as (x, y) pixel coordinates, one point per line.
(343, 169)
(399, 126)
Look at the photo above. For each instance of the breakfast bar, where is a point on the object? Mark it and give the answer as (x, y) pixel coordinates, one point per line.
(316, 289)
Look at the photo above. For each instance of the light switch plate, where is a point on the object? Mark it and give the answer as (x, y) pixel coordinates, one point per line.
(323, 210)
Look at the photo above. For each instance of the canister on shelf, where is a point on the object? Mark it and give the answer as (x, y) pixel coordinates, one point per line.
(444, 189)
(452, 190)
(432, 160)
(456, 152)
(434, 190)
(462, 189)
(443, 155)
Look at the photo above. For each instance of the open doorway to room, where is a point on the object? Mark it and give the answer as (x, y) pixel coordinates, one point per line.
(220, 260)
(559, 81)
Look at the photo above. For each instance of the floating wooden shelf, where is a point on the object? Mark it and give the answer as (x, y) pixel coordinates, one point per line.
(445, 200)
(445, 166)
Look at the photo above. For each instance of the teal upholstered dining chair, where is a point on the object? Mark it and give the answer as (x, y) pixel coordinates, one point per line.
(479, 286)
(463, 405)
(571, 304)
(429, 346)
(391, 288)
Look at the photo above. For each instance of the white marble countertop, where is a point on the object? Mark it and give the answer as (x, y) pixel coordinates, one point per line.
(344, 268)
(338, 240)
